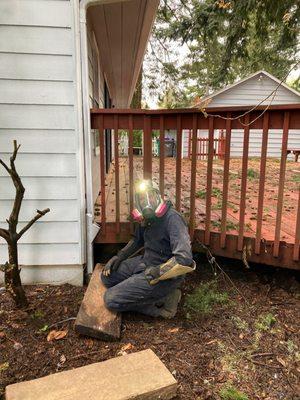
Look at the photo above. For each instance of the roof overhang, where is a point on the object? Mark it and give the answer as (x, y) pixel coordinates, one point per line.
(122, 31)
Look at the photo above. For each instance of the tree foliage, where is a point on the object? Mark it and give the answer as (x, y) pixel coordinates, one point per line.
(224, 40)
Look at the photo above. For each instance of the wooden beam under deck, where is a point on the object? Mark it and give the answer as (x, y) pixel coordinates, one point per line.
(285, 260)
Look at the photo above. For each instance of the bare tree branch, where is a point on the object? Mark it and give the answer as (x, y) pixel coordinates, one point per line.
(30, 223)
(4, 234)
(5, 166)
(14, 155)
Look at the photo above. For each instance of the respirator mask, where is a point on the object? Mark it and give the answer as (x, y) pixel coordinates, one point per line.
(148, 201)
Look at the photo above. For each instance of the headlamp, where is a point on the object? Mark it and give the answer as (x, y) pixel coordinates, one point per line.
(142, 186)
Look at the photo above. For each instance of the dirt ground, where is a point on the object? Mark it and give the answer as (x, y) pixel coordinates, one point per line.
(249, 343)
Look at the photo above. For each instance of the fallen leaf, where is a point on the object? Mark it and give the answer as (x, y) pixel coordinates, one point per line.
(89, 343)
(121, 353)
(212, 341)
(62, 359)
(127, 347)
(56, 335)
(173, 330)
(17, 346)
(2, 335)
(281, 361)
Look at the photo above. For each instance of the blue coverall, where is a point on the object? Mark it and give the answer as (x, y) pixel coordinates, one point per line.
(128, 288)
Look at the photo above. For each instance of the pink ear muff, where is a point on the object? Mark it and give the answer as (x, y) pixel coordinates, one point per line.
(161, 210)
(136, 215)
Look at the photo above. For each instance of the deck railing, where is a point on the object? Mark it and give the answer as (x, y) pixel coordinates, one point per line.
(284, 117)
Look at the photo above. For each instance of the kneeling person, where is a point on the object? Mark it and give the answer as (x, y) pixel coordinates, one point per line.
(149, 283)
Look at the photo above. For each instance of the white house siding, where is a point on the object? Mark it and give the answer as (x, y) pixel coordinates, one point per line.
(96, 99)
(37, 107)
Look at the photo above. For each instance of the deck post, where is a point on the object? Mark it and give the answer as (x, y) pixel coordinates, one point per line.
(244, 182)
(147, 150)
(225, 181)
(285, 136)
(262, 181)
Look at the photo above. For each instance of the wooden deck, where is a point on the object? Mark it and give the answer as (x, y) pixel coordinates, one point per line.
(270, 199)
(242, 208)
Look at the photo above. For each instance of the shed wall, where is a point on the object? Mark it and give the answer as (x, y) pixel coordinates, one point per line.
(252, 91)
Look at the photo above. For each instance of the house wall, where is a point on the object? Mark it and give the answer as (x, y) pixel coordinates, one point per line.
(96, 100)
(38, 108)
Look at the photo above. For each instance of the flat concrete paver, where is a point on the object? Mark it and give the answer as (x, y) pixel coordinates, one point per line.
(93, 318)
(138, 375)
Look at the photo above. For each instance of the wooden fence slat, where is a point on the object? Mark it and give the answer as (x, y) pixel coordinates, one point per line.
(262, 181)
(178, 163)
(244, 184)
(225, 181)
(147, 150)
(162, 156)
(117, 171)
(297, 233)
(285, 135)
(193, 176)
(209, 179)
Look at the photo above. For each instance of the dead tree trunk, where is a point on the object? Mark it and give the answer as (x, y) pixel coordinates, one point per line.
(11, 268)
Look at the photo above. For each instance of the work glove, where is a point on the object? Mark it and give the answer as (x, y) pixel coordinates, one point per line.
(111, 265)
(168, 270)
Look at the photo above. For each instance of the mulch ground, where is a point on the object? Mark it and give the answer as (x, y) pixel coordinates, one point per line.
(232, 345)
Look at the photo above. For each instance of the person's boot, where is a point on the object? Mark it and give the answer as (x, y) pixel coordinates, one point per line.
(169, 308)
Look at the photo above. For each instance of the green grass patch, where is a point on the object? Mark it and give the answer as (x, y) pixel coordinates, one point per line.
(296, 178)
(37, 314)
(203, 299)
(201, 194)
(216, 192)
(252, 174)
(231, 393)
(239, 323)
(4, 366)
(265, 322)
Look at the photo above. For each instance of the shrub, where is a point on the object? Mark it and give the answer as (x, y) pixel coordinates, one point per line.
(265, 322)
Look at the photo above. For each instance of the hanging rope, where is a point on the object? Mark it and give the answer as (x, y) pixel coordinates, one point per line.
(238, 117)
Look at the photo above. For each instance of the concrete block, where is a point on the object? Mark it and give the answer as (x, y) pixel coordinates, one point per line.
(140, 376)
